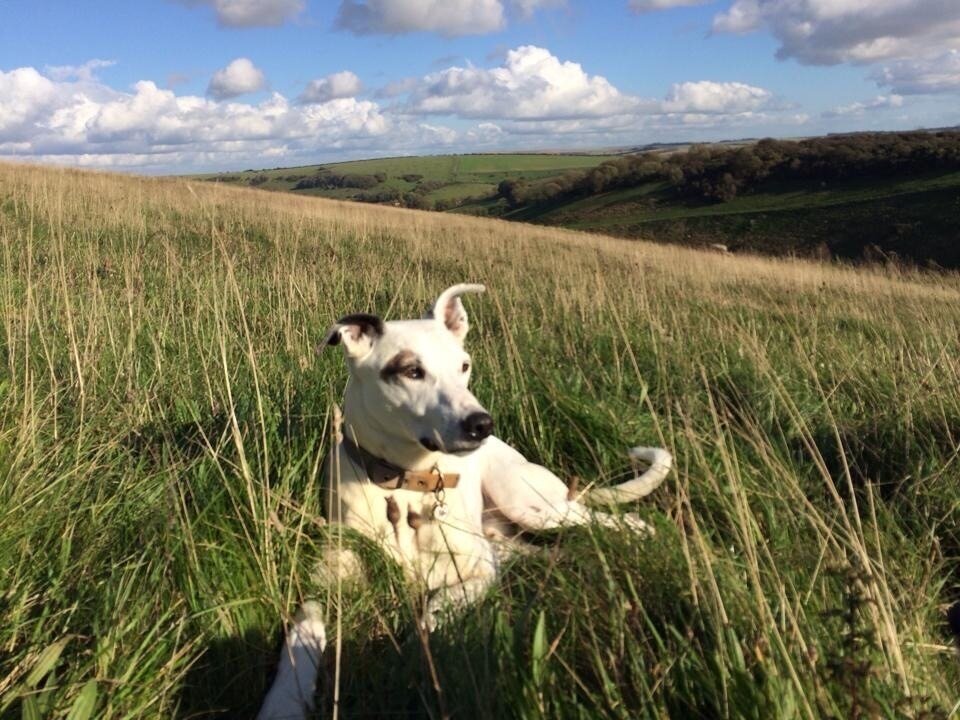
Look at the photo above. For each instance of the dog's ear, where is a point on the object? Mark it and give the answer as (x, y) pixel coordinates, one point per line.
(357, 333)
(449, 310)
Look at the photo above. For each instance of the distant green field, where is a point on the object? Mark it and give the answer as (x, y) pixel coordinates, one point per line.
(911, 217)
(451, 178)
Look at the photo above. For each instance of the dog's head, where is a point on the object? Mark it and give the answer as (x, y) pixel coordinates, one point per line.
(409, 377)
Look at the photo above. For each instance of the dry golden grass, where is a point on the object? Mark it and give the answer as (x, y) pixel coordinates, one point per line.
(163, 415)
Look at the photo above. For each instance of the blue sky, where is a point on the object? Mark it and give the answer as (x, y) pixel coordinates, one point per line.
(195, 85)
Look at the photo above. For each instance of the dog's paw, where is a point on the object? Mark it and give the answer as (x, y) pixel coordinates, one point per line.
(428, 621)
(309, 629)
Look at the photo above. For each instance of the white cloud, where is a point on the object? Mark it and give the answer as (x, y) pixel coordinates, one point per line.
(252, 13)
(827, 32)
(338, 85)
(397, 88)
(645, 6)
(92, 124)
(238, 78)
(532, 84)
(712, 98)
(86, 71)
(532, 100)
(27, 95)
(936, 74)
(450, 18)
(395, 17)
(536, 99)
(881, 102)
(526, 8)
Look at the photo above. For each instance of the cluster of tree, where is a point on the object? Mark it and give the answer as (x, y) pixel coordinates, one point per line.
(327, 180)
(416, 199)
(412, 177)
(720, 174)
(427, 186)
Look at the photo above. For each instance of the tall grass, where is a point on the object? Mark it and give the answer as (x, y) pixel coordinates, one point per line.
(164, 415)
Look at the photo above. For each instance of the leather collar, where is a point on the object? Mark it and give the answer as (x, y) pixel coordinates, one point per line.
(392, 477)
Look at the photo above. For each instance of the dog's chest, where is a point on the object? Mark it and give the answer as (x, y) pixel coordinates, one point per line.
(437, 538)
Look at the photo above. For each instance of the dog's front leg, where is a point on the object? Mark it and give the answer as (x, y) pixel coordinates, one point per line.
(291, 695)
(533, 498)
(450, 599)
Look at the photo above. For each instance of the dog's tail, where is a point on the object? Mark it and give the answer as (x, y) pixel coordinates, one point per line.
(658, 462)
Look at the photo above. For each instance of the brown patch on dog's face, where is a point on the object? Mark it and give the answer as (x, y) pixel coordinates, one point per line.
(402, 362)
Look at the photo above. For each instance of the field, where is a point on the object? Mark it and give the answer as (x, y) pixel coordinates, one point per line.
(910, 216)
(913, 216)
(458, 177)
(164, 414)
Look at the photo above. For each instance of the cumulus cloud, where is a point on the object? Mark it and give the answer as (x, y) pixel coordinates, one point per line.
(936, 74)
(712, 98)
(395, 17)
(645, 6)
(86, 71)
(338, 85)
(531, 100)
(881, 102)
(827, 32)
(446, 17)
(89, 123)
(28, 96)
(532, 84)
(238, 78)
(252, 13)
(397, 88)
(525, 8)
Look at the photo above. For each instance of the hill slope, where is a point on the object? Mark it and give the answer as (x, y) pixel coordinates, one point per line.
(863, 196)
(163, 417)
(913, 218)
(427, 182)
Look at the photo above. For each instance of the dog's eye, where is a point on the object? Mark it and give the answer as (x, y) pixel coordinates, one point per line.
(466, 366)
(414, 373)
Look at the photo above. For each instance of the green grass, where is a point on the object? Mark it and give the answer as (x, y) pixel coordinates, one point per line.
(909, 216)
(619, 206)
(464, 176)
(164, 415)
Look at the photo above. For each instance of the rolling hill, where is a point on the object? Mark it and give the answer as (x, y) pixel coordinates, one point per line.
(164, 415)
(422, 181)
(861, 197)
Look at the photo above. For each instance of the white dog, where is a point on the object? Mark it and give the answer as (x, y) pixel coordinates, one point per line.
(418, 470)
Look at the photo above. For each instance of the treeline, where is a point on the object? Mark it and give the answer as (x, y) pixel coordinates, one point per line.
(416, 198)
(719, 174)
(327, 180)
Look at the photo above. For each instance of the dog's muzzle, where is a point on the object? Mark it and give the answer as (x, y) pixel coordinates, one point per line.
(474, 429)
(477, 426)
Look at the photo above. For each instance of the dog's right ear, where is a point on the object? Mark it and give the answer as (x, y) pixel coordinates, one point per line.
(357, 333)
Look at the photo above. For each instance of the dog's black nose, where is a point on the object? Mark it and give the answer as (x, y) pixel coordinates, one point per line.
(477, 426)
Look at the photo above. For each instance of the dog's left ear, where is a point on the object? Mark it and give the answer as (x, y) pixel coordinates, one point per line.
(357, 333)
(450, 311)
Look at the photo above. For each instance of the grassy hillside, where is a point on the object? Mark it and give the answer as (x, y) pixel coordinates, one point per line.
(913, 217)
(163, 416)
(449, 178)
(909, 214)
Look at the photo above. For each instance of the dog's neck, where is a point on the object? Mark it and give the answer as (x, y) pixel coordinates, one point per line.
(368, 433)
